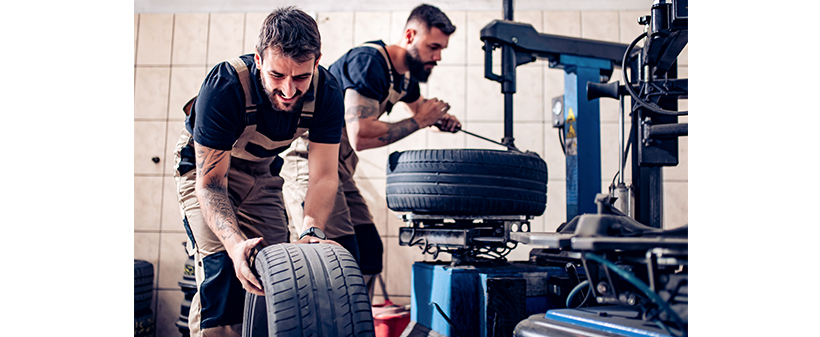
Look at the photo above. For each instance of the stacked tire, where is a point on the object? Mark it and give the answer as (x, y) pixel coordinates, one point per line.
(467, 182)
(188, 287)
(144, 324)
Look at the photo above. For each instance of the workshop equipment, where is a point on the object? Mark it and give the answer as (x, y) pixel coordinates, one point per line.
(583, 60)
(509, 146)
(650, 78)
(604, 272)
(483, 299)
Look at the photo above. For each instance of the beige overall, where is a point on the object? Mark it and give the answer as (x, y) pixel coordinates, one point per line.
(255, 195)
(350, 208)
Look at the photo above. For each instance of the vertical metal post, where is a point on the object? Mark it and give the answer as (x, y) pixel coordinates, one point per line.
(582, 134)
(508, 65)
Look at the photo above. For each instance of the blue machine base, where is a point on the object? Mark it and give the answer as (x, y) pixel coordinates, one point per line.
(479, 299)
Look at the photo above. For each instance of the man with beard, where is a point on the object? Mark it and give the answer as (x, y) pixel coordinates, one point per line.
(248, 110)
(374, 77)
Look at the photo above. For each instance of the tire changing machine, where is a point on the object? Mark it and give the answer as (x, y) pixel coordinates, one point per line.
(479, 293)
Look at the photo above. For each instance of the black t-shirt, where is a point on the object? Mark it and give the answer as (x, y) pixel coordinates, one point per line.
(218, 118)
(364, 69)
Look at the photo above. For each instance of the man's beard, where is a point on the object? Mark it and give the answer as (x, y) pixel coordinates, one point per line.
(416, 66)
(277, 106)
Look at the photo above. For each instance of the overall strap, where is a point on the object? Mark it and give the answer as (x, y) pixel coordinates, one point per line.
(394, 94)
(245, 79)
(309, 107)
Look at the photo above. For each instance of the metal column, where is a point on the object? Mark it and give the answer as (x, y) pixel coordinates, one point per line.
(582, 132)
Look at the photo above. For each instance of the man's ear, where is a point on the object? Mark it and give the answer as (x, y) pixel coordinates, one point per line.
(257, 58)
(410, 35)
(316, 63)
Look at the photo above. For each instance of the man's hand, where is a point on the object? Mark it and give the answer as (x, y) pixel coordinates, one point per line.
(313, 239)
(449, 123)
(239, 254)
(430, 111)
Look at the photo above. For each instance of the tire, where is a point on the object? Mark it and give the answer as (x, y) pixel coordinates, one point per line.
(182, 322)
(188, 287)
(144, 324)
(467, 182)
(310, 290)
(143, 285)
(143, 269)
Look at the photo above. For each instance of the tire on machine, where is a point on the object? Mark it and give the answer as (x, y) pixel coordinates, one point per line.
(467, 182)
(310, 290)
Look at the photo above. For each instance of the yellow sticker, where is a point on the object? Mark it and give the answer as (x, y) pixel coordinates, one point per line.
(571, 132)
(570, 116)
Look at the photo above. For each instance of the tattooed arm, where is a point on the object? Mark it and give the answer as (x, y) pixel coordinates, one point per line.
(212, 191)
(366, 131)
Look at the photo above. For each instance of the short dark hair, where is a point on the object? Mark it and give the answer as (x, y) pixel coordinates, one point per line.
(292, 33)
(431, 17)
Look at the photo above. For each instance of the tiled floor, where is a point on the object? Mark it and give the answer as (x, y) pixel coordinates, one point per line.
(174, 52)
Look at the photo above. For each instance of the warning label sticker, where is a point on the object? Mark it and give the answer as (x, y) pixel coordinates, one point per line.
(572, 146)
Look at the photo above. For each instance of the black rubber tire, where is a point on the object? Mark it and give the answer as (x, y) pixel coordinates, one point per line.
(143, 269)
(310, 290)
(188, 287)
(467, 182)
(144, 324)
(182, 322)
(143, 285)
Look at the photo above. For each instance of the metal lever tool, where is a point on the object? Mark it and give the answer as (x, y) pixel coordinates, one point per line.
(509, 147)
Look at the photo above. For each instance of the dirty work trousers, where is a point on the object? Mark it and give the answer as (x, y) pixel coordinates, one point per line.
(350, 214)
(256, 198)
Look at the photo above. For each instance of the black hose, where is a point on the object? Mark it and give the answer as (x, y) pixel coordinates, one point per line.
(648, 105)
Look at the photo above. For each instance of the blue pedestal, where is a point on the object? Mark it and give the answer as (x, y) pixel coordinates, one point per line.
(462, 294)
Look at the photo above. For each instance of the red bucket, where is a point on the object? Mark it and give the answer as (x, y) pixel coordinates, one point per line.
(390, 319)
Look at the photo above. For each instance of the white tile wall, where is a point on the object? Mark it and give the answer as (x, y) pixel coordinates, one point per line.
(253, 22)
(562, 23)
(630, 29)
(154, 39)
(476, 21)
(485, 102)
(336, 29)
(372, 163)
(372, 190)
(175, 51)
(190, 39)
(369, 26)
(149, 142)
(490, 130)
(556, 213)
(171, 216)
(603, 26)
(456, 52)
(528, 100)
(441, 86)
(185, 83)
(146, 247)
(136, 34)
(173, 252)
(147, 202)
(225, 37)
(168, 304)
(174, 130)
(529, 137)
(397, 21)
(675, 204)
(151, 87)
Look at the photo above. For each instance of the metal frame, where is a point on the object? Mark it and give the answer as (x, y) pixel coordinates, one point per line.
(583, 61)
